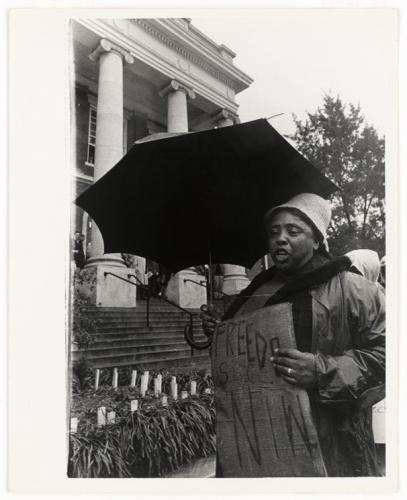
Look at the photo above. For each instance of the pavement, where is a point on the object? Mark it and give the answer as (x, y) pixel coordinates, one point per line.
(202, 467)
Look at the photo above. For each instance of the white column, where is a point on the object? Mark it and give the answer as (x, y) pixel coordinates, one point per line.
(177, 108)
(183, 288)
(109, 128)
(100, 287)
(234, 277)
(224, 119)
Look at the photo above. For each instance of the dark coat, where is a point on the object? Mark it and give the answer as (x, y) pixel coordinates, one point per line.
(348, 340)
(78, 253)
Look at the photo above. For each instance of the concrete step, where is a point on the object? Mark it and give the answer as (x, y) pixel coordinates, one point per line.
(117, 311)
(122, 338)
(128, 327)
(116, 350)
(131, 310)
(136, 344)
(143, 336)
(198, 361)
(134, 341)
(135, 359)
(139, 352)
(146, 336)
(142, 318)
(141, 322)
(159, 330)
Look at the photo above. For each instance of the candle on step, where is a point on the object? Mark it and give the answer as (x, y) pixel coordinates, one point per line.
(115, 380)
(101, 416)
(193, 387)
(156, 393)
(97, 378)
(143, 386)
(133, 378)
(146, 379)
(74, 424)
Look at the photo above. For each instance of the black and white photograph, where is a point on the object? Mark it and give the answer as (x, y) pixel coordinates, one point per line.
(228, 280)
(228, 212)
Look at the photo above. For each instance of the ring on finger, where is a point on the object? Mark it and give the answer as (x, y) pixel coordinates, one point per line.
(290, 370)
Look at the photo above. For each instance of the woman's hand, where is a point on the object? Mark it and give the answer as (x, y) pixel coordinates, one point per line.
(296, 367)
(209, 320)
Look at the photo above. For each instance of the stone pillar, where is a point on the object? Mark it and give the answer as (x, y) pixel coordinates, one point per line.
(224, 119)
(234, 277)
(181, 288)
(177, 109)
(109, 129)
(102, 289)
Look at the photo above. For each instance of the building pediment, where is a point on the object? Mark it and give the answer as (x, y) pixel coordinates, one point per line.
(183, 38)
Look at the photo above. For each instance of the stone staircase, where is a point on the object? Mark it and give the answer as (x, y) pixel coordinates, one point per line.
(123, 339)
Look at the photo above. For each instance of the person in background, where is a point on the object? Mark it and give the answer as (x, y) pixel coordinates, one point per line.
(164, 277)
(154, 284)
(367, 263)
(153, 277)
(382, 276)
(151, 267)
(339, 326)
(201, 270)
(78, 252)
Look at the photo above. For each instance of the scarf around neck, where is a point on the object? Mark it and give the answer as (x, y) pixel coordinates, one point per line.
(318, 270)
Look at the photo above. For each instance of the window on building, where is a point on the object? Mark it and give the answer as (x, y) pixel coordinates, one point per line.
(90, 157)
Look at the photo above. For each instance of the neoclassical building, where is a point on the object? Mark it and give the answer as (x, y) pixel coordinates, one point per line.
(134, 78)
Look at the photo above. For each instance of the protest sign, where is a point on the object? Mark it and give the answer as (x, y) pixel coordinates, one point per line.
(264, 425)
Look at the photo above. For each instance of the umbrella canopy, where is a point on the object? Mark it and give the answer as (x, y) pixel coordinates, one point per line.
(188, 199)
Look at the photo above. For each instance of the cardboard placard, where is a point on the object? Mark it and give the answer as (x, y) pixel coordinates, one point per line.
(264, 426)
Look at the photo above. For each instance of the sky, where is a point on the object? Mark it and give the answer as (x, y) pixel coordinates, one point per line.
(295, 56)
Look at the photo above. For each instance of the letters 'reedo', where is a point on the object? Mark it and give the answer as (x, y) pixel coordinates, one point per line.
(264, 425)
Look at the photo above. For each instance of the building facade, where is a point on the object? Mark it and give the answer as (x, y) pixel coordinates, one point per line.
(135, 78)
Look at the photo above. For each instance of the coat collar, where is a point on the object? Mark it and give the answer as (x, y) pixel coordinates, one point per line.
(311, 280)
(320, 296)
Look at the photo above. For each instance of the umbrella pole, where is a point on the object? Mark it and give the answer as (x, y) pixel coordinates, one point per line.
(210, 289)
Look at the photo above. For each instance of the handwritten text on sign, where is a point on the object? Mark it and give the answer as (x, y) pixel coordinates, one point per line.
(264, 425)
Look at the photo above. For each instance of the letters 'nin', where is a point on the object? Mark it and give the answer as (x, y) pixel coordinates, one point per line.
(264, 425)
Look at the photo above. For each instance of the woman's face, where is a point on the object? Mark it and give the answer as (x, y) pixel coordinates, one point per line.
(291, 241)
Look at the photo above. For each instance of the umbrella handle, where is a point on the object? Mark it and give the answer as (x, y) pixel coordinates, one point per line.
(192, 343)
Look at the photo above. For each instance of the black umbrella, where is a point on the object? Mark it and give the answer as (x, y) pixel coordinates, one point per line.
(200, 197)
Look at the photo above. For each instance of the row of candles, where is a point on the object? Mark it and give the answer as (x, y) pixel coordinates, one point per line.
(104, 417)
(144, 383)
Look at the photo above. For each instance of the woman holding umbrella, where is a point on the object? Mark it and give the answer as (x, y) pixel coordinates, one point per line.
(339, 324)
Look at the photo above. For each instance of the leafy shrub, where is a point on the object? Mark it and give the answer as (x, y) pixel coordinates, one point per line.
(167, 437)
(97, 454)
(151, 442)
(82, 375)
(83, 326)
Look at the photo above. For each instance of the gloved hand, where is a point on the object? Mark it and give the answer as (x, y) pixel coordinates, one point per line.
(209, 319)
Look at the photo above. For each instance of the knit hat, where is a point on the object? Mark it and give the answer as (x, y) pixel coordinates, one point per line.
(314, 209)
